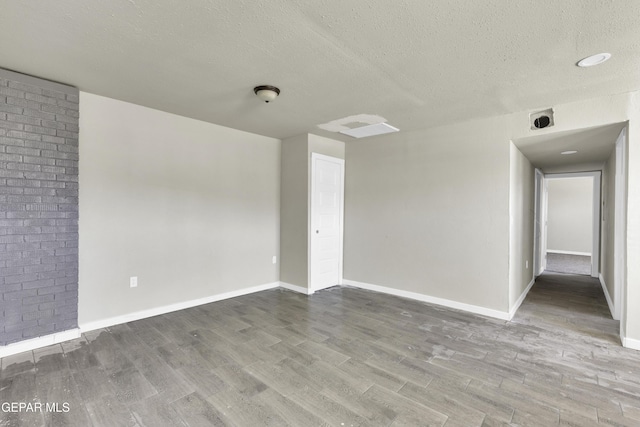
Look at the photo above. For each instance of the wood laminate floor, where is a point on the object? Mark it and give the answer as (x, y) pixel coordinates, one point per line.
(341, 357)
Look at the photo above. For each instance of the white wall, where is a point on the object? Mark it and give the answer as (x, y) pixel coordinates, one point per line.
(570, 215)
(294, 211)
(631, 318)
(295, 203)
(190, 208)
(428, 212)
(521, 220)
(326, 146)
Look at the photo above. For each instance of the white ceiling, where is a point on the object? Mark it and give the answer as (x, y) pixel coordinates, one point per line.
(416, 63)
(594, 146)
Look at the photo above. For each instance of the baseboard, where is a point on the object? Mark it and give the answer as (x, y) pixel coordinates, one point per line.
(520, 300)
(35, 343)
(117, 320)
(631, 343)
(296, 288)
(554, 251)
(608, 297)
(502, 315)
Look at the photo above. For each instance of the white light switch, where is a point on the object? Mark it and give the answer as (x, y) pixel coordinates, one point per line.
(274, 259)
(133, 281)
(526, 263)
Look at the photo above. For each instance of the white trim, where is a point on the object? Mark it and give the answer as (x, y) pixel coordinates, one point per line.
(502, 315)
(39, 342)
(631, 343)
(538, 227)
(587, 174)
(143, 314)
(608, 297)
(544, 203)
(558, 251)
(620, 227)
(520, 300)
(296, 288)
(597, 200)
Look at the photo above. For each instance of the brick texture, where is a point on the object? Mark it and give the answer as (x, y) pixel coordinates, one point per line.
(38, 207)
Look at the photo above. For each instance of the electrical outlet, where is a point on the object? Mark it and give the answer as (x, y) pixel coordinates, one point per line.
(274, 260)
(526, 264)
(133, 281)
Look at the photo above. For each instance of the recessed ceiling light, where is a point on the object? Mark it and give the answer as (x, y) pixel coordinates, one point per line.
(592, 60)
(564, 153)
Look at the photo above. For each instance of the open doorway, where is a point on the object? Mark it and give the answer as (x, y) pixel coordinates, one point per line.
(594, 181)
(572, 223)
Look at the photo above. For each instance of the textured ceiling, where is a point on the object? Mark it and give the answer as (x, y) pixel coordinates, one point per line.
(594, 146)
(417, 63)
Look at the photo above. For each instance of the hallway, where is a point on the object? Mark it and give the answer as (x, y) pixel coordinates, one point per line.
(570, 305)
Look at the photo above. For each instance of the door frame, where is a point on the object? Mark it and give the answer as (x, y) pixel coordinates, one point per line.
(620, 230)
(311, 245)
(597, 197)
(539, 224)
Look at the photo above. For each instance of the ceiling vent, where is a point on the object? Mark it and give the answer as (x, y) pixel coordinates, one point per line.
(541, 119)
(369, 130)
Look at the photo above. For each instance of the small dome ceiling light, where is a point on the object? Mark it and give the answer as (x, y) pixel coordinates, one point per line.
(592, 60)
(266, 93)
(566, 153)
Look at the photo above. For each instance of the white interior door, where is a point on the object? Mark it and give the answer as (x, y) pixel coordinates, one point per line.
(326, 222)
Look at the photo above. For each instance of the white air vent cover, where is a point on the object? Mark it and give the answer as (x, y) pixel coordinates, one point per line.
(370, 130)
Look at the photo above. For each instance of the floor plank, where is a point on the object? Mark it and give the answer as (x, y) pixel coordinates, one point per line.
(345, 357)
